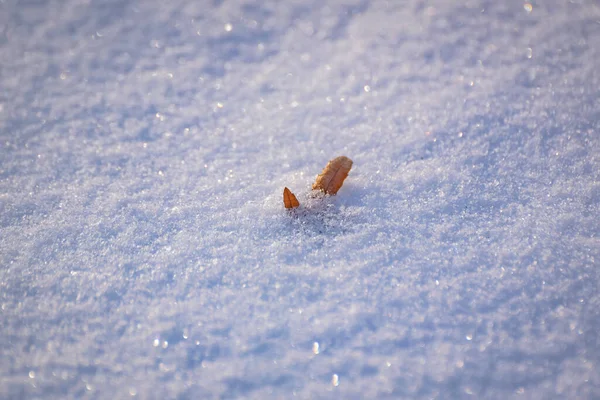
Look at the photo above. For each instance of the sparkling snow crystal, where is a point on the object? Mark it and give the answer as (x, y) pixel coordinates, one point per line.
(145, 251)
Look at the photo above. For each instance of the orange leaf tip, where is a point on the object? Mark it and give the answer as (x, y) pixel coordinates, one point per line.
(333, 175)
(289, 200)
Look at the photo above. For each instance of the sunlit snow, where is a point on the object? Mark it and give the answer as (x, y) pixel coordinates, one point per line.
(145, 251)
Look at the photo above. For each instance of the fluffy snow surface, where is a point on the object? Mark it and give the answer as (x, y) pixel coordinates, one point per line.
(144, 247)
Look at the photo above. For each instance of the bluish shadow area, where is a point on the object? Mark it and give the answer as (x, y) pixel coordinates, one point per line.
(138, 146)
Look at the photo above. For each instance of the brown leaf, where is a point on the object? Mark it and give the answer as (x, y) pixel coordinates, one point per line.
(289, 200)
(333, 175)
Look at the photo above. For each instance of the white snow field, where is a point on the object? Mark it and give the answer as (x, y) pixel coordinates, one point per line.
(145, 251)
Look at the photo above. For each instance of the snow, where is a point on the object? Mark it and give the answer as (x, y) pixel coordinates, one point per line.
(145, 251)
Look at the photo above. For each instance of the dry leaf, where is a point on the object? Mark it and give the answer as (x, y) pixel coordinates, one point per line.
(289, 200)
(333, 175)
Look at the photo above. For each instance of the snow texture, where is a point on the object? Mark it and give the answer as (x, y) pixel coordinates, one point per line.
(145, 251)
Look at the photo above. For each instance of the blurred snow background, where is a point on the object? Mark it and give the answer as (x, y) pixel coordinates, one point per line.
(145, 251)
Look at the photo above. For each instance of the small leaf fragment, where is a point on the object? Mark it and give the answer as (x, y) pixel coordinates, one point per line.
(289, 199)
(333, 175)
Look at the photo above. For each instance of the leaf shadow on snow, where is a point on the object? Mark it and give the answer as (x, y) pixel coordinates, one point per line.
(313, 225)
(321, 217)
